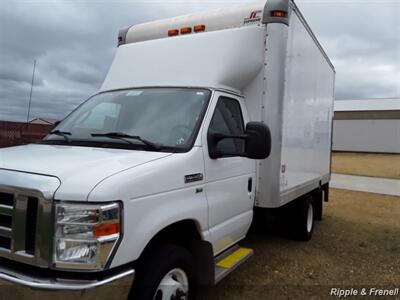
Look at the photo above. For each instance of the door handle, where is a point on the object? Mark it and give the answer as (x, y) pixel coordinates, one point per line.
(250, 184)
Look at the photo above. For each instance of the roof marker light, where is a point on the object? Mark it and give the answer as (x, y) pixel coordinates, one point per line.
(199, 28)
(278, 14)
(186, 30)
(173, 32)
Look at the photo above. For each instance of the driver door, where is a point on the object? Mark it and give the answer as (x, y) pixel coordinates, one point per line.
(229, 180)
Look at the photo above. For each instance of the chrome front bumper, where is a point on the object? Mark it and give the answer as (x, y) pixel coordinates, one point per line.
(59, 283)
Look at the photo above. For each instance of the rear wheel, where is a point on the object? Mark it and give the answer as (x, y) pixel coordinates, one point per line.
(166, 273)
(318, 208)
(303, 216)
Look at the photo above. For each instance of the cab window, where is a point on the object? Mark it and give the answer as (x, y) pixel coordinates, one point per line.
(228, 119)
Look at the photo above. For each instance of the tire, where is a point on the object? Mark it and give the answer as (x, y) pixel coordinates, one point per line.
(303, 215)
(171, 264)
(318, 208)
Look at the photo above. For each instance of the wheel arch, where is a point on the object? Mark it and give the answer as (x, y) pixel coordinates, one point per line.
(186, 233)
(177, 233)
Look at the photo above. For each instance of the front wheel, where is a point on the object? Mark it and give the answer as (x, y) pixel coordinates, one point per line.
(165, 274)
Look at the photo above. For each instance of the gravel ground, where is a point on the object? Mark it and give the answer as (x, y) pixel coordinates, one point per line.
(366, 164)
(356, 245)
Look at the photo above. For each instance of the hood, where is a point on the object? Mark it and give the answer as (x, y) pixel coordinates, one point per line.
(79, 169)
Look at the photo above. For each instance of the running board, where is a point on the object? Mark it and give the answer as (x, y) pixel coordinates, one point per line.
(230, 260)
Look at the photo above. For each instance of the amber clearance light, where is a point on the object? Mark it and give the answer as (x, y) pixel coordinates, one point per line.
(186, 30)
(278, 13)
(173, 32)
(199, 28)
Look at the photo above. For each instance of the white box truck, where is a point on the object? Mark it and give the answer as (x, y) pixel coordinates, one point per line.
(202, 121)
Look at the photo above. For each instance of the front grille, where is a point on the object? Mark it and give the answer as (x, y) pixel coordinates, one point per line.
(6, 199)
(6, 212)
(20, 213)
(5, 242)
(5, 220)
(30, 225)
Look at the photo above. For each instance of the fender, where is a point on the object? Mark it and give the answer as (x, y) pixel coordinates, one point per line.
(154, 196)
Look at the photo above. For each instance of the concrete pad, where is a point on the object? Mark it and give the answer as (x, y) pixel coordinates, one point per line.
(366, 184)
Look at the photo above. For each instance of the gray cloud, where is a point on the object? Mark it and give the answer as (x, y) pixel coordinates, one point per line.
(74, 42)
(363, 40)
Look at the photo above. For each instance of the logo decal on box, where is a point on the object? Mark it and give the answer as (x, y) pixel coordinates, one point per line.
(254, 17)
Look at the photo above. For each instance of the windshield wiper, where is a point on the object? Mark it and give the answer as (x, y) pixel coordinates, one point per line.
(125, 137)
(64, 134)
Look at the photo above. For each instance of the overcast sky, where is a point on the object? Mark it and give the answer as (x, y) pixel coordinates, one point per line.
(74, 43)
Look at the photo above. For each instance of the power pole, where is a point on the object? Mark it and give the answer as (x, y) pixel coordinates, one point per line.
(30, 96)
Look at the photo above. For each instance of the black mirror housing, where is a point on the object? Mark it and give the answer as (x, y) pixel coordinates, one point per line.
(258, 140)
(213, 139)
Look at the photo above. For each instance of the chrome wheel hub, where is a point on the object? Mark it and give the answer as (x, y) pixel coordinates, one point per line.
(310, 217)
(174, 286)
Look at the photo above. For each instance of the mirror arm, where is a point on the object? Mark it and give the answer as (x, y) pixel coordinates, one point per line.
(227, 154)
(242, 136)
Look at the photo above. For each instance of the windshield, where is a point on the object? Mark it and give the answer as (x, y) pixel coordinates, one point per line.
(166, 117)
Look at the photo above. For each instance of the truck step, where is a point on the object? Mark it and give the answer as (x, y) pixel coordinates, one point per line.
(230, 260)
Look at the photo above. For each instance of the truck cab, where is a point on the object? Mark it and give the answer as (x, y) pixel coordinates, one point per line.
(201, 122)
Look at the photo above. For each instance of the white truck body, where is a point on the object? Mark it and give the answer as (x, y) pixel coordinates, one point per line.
(276, 71)
(292, 93)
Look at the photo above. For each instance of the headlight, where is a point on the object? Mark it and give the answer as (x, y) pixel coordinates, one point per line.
(85, 235)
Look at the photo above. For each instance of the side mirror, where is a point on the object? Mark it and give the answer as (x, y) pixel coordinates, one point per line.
(257, 142)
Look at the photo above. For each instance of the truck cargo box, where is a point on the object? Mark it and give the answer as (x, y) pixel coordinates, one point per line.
(283, 73)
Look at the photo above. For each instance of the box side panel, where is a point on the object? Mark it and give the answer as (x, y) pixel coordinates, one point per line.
(307, 114)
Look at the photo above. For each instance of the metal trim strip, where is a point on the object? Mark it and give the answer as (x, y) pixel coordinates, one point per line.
(5, 232)
(6, 210)
(60, 284)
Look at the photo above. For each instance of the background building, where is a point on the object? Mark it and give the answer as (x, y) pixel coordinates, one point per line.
(42, 121)
(371, 125)
(14, 133)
